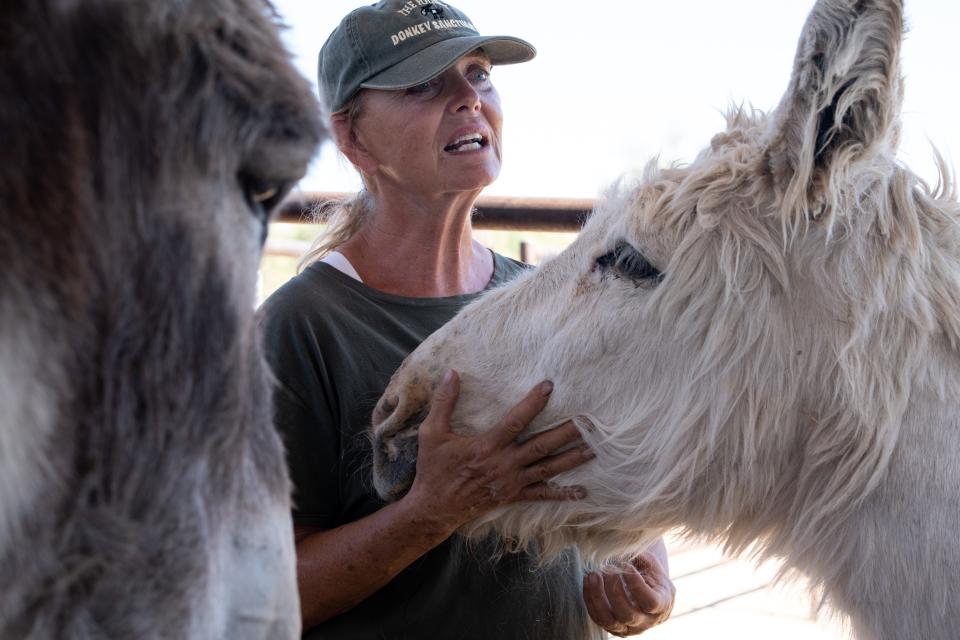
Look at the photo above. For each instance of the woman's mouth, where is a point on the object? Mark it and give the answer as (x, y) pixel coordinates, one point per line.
(468, 142)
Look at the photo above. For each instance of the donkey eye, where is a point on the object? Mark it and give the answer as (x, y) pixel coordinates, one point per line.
(626, 262)
(266, 195)
(263, 195)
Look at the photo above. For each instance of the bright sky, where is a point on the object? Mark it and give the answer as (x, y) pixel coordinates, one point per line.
(617, 82)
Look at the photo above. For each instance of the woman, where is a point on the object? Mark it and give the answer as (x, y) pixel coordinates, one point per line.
(413, 108)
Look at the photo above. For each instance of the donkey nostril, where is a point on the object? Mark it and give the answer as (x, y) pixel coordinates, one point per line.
(390, 404)
(385, 408)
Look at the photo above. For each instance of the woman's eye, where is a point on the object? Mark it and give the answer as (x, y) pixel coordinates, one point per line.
(424, 88)
(626, 262)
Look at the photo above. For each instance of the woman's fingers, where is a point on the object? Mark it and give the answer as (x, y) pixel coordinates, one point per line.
(625, 611)
(441, 408)
(532, 480)
(489, 470)
(546, 443)
(646, 598)
(520, 416)
(649, 585)
(611, 605)
(598, 606)
(554, 465)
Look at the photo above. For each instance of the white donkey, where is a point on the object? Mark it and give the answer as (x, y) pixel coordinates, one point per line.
(762, 347)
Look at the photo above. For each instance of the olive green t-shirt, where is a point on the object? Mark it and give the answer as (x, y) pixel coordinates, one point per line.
(333, 343)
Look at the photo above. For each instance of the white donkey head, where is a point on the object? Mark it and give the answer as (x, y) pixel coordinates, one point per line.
(738, 338)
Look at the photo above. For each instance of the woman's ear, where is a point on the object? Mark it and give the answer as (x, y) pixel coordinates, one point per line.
(350, 144)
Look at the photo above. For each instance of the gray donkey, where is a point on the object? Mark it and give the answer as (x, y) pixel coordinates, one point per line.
(143, 144)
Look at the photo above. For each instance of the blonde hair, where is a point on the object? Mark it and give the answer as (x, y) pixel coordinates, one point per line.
(342, 218)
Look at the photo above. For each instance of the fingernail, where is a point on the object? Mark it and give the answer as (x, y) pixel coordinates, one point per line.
(448, 376)
(587, 452)
(546, 388)
(579, 493)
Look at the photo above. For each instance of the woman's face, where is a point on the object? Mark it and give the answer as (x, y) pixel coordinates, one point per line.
(440, 136)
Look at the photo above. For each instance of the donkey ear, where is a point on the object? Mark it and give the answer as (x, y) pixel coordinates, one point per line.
(843, 102)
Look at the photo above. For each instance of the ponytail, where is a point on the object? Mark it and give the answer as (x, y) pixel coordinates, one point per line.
(342, 219)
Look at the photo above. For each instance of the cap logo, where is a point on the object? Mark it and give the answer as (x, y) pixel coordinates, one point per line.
(424, 5)
(433, 10)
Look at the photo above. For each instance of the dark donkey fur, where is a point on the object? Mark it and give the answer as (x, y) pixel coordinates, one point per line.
(142, 487)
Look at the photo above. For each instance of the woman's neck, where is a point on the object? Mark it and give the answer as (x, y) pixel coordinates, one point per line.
(420, 248)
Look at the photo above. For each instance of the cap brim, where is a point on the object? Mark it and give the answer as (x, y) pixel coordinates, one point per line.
(438, 57)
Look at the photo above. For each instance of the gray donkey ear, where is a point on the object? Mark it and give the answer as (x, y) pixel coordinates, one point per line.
(842, 105)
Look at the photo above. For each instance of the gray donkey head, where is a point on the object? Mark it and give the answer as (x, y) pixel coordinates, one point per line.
(142, 487)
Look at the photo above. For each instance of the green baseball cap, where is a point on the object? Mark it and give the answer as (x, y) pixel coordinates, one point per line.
(396, 44)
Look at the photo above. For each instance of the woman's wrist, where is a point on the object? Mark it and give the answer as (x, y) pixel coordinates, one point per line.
(425, 518)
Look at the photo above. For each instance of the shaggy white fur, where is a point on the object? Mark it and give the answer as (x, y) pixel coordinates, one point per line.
(790, 385)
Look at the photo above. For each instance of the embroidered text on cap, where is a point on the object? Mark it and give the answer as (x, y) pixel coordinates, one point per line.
(432, 9)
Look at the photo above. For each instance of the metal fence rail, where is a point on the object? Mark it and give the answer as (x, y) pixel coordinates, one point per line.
(493, 212)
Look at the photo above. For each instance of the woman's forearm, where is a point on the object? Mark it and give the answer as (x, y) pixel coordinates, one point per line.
(339, 568)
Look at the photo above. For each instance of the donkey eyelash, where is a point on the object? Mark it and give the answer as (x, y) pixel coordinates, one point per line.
(263, 195)
(625, 261)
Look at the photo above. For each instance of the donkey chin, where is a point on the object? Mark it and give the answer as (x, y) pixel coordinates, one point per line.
(395, 428)
(394, 459)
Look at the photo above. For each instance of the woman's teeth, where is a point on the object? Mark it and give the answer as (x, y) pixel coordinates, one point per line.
(469, 142)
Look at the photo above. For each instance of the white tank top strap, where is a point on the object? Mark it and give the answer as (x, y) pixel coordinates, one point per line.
(339, 262)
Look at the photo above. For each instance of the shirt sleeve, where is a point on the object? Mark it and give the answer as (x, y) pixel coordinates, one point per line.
(304, 415)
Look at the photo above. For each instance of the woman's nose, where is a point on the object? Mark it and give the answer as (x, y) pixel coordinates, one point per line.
(466, 98)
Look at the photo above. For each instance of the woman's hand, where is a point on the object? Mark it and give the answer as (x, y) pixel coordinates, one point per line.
(460, 478)
(632, 601)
